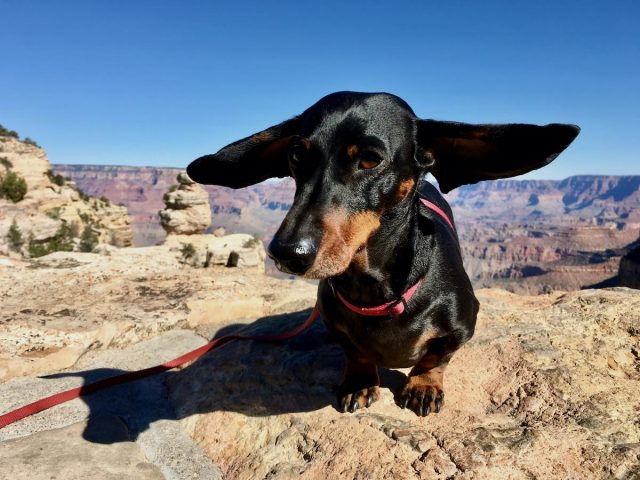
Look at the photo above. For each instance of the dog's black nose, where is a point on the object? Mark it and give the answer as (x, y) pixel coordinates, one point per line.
(293, 258)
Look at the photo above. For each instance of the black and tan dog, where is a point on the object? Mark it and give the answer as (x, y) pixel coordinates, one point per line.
(382, 241)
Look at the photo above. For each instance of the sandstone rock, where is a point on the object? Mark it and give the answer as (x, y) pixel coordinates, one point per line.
(235, 250)
(60, 306)
(29, 161)
(219, 232)
(629, 273)
(547, 388)
(187, 208)
(108, 420)
(47, 205)
(64, 453)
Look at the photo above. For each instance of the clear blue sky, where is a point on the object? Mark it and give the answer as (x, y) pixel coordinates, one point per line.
(162, 82)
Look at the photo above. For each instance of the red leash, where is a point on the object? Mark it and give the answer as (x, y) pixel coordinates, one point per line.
(62, 397)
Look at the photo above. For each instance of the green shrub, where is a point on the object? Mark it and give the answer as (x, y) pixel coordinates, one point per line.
(4, 161)
(188, 252)
(28, 141)
(37, 249)
(8, 133)
(13, 187)
(14, 237)
(55, 178)
(104, 199)
(252, 242)
(88, 240)
(62, 241)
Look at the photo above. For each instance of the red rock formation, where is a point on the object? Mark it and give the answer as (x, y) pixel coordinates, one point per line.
(524, 235)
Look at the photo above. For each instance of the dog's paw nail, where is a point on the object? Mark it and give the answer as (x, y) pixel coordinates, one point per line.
(439, 402)
(369, 399)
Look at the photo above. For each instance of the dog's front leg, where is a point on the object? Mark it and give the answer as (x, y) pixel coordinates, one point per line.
(424, 392)
(360, 385)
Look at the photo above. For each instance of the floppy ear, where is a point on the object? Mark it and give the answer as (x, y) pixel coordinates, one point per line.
(460, 153)
(248, 161)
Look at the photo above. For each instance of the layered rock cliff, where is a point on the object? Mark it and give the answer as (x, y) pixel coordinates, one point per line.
(524, 235)
(51, 202)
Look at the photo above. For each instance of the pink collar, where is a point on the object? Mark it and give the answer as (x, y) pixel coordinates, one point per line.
(394, 307)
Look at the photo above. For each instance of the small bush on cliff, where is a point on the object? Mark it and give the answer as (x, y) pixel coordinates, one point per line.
(55, 178)
(8, 133)
(29, 141)
(188, 251)
(14, 237)
(252, 242)
(13, 187)
(88, 240)
(36, 249)
(62, 241)
(83, 196)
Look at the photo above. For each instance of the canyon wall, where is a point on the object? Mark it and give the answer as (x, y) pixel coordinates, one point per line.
(524, 235)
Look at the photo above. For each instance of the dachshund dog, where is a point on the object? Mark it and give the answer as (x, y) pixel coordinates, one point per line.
(381, 239)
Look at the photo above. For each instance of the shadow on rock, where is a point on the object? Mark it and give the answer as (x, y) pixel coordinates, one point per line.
(249, 377)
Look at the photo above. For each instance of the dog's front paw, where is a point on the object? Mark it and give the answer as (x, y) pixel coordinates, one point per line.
(422, 395)
(350, 398)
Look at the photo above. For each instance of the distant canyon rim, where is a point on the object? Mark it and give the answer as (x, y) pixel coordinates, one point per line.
(527, 236)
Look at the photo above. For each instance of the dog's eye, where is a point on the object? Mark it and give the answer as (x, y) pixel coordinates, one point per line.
(368, 159)
(296, 153)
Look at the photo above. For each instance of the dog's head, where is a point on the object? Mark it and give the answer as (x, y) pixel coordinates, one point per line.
(354, 156)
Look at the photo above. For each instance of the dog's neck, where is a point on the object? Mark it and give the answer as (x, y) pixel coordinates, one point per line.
(383, 270)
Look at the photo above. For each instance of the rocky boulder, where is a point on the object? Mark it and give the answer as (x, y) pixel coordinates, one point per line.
(187, 209)
(235, 250)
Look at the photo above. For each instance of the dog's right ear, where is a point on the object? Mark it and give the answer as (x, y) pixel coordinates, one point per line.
(248, 161)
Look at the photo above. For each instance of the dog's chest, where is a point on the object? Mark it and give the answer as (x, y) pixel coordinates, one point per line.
(388, 342)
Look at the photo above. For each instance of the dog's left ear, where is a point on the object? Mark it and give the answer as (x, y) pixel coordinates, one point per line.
(248, 161)
(460, 153)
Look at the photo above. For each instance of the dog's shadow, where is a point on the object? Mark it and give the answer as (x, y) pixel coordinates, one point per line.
(249, 377)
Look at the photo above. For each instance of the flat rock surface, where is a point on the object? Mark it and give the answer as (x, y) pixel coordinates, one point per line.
(547, 388)
(63, 453)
